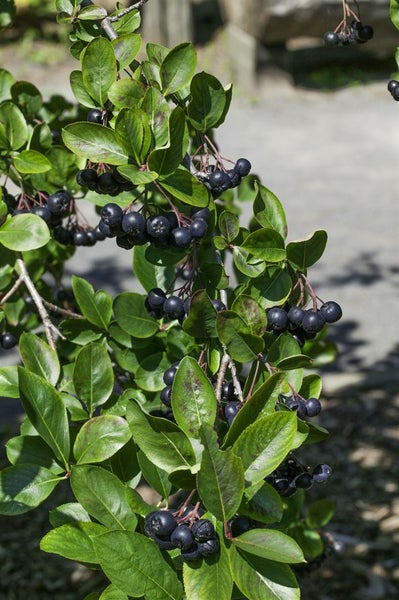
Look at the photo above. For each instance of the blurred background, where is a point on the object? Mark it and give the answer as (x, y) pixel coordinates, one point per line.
(322, 132)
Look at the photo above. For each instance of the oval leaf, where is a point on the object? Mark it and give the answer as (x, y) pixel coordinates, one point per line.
(93, 376)
(24, 232)
(94, 142)
(23, 487)
(38, 357)
(100, 438)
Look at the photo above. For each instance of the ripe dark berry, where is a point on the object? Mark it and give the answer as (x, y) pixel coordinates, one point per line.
(209, 547)
(8, 340)
(95, 115)
(159, 522)
(218, 305)
(79, 238)
(62, 235)
(298, 405)
(182, 537)
(87, 178)
(202, 213)
(321, 473)
(331, 38)
(192, 553)
(172, 218)
(156, 298)
(198, 228)
(313, 407)
(230, 411)
(165, 395)
(295, 315)
(173, 307)
(42, 212)
(124, 241)
(303, 481)
(235, 177)
(242, 167)
(365, 33)
(395, 93)
(313, 321)
(277, 319)
(331, 311)
(163, 542)
(228, 391)
(109, 231)
(111, 214)
(392, 84)
(169, 374)
(181, 237)
(158, 227)
(133, 223)
(219, 181)
(202, 530)
(106, 184)
(281, 485)
(240, 525)
(58, 203)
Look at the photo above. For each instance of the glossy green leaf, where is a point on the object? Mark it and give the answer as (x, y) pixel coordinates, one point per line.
(232, 331)
(264, 444)
(311, 386)
(208, 100)
(305, 253)
(229, 226)
(70, 512)
(183, 186)
(13, 127)
(260, 579)
(92, 13)
(95, 306)
(161, 440)
(165, 160)
(126, 48)
(80, 331)
(201, 319)
(269, 211)
(262, 503)
(133, 132)
(93, 375)
(134, 174)
(394, 12)
(220, 480)
(99, 69)
(285, 349)
(38, 357)
(94, 142)
(126, 93)
(158, 111)
(6, 81)
(100, 438)
(178, 67)
(73, 541)
(132, 315)
(193, 398)
(272, 288)
(9, 382)
(247, 264)
(149, 275)
(46, 411)
(113, 593)
(266, 244)
(103, 495)
(79, 90)
(24, 232)
(24, 449)
(208, 579)
(31, 161)
(155, 477)
(28, 98)
(23, 487)
(270, 544)
(140, 569)
(251, 312)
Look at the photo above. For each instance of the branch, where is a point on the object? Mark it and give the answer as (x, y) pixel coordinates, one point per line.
(106, 23)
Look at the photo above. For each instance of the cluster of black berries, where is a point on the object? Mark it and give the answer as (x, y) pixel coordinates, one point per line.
(291, 476)
(111, 182)
(230, 402)
(393, 88)
(304, 408)
(56, 210)
(356, 33)
(159, 305)
(302, 323)
(218, 180)
(168, 378)
(133, 228)
(195, 540)
(8, 340)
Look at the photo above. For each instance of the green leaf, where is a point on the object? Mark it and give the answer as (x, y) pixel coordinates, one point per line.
(94, 142)
(73, 541)
(38, 357)
(149, 275)
(165, 160)
(251, 312)
(95, 306)
(136, 175)
(208, 579)
(113, 593)
(13, 127)
(31, 161)
(24, 449)
(126, 48)
(208, 100)
(262, 503)
(260, 579)
(229, 226)
(9, 382)
(193, 398)
(161, 440)
(285, 353)
(70, 512)
(93, 376)
(263, 445)
(79, 90)
(270, 544)
(183, 186)
(272, 288)
(100, 438)
(24, 232)
(28, 98)
(320, 514)
(103, 495)
(311, 386)
(140, 569)
(23, 487)
(266, 244)
(201, 319)
(247, 264)
(133, 132)
(80, 331)
(155, 477)
(220, 480)
(241, 344)
(394, 12)
(305, 253)
(46, 411)
(132, 315)
(269, 211)
(178, 67)
(99, 69)
(6, 79)
(158, 111)
(126, 93)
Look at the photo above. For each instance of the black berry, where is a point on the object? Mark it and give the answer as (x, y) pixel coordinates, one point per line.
(95, 115)
(159, 522)
(331, 311)
(277, 319)
(312, 407)
(242, 167)
(182, 537)
(111, 214)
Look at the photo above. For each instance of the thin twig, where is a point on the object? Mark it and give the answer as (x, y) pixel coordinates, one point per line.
(10, 292)
(62, 311)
